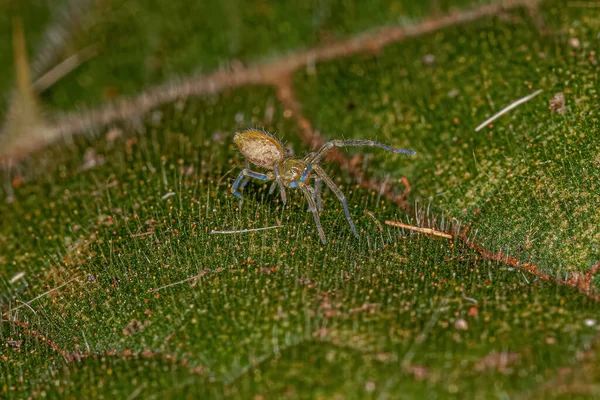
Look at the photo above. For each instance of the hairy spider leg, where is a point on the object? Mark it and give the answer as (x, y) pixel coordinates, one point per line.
(280, 183)
(308, 157)
(354, 142)
(244, 174)
(313, 207)
(306, 172)
(273, 186)
(338, 193)
(317, 193)
(244, 182)
(246, 178)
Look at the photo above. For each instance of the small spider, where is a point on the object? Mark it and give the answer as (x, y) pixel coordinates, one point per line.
(265, 150)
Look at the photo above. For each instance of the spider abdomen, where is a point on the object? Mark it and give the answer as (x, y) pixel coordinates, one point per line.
(260, 148)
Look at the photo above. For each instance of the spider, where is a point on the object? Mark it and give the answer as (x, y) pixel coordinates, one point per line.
(266, 151)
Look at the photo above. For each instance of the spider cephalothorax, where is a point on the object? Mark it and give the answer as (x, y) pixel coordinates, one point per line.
(265, 150)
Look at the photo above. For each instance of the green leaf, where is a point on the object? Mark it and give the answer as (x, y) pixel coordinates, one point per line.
(113, 282)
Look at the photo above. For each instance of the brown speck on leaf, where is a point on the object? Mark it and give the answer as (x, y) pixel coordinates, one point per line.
(134, 326)
(461, 325)
(574, 43)
(365, 307)
(219, 136)
(74, 356)
(420, 372)
(113, 134)
(370, 386)
(169, 337)
(497, 361)
(306, 282)
(407, 187)
(384, 357)
(320, 333)
(131, 142)
(91, 159)
(187, 171)
(557, 104)
(17, 181)
(198, 369)
(110, 93)
(565, 371)
(147, 353)
(14, 343)
(428, 59)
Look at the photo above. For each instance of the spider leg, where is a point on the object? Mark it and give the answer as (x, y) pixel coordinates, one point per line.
(317, 193)
(353, 142)
(308, 157)
(313, 208)
(244, 182)
(338, 193)
(273, 186)
(244, 176)
(246, 179)
(280, 183)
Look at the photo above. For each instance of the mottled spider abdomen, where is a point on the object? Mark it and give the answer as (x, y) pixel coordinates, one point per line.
(260, 148)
